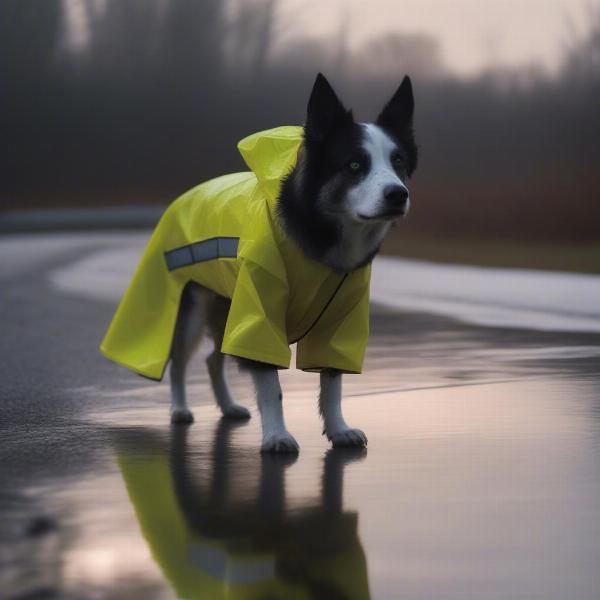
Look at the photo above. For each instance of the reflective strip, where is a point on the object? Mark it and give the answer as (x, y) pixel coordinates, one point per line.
(220, 247)
(206, 250)
(179, 258)
(223, 566)
(228, 247)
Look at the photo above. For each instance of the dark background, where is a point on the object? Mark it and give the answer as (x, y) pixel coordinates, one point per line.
(162, 91)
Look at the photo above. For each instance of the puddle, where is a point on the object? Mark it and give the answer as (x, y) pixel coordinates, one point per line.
(487, 491)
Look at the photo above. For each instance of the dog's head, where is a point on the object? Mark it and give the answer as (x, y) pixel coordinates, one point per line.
(360, 170)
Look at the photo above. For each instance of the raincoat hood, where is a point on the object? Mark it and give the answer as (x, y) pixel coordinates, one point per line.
(271, 155)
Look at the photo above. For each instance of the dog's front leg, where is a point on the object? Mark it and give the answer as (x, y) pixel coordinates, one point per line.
(275, 437)
(330, 407)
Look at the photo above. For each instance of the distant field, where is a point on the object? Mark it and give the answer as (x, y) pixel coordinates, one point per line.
(577, 257)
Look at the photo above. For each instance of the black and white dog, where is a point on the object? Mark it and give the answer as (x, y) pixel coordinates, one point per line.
(348, 188)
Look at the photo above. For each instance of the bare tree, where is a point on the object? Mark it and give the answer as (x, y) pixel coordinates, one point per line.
(29, 35)
(251, 32)
(395, 53)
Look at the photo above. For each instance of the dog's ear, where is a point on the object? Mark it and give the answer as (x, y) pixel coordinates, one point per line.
(397, 118)
(325, 112)
(397, 114)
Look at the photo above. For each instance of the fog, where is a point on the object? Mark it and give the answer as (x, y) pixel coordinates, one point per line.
(153, 95)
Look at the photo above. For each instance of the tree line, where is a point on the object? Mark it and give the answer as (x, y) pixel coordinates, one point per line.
(157, 97)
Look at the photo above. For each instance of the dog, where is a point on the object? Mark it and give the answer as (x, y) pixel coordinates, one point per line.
(347, 185)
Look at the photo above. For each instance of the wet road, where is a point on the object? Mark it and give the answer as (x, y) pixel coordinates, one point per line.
(481, 479)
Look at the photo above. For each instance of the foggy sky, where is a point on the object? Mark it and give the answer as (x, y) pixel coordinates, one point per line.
(473, 33)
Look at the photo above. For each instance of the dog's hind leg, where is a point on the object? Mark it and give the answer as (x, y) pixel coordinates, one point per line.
(188, 333)
(217, 311)
(330, 407)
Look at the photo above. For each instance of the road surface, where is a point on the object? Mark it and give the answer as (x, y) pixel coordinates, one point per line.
(481, 479)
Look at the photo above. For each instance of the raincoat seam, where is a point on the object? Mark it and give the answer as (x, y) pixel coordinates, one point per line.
(337, 289)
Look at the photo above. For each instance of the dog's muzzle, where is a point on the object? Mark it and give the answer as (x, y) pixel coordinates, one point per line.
(396, 201)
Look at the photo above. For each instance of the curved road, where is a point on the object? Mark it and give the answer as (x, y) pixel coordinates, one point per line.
(481, 478)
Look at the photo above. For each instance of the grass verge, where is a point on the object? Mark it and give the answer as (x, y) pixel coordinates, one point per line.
(561, 256)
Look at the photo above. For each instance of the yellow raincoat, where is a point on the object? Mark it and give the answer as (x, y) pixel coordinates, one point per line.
(224, 234)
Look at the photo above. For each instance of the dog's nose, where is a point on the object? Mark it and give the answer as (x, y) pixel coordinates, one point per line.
(396, 196)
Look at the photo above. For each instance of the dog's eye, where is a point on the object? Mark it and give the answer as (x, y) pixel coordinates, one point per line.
(354, 166)
(397, 161)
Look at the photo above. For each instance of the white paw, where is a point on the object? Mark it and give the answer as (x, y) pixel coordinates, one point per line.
(280, 442)
(236, 411)
(181, 415)
(348, 438)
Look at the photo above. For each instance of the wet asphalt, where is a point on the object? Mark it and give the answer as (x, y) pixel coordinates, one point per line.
(481, 479)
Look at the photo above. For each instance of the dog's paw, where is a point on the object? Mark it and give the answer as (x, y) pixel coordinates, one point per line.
(349, 438)
(181, 415)
(236, 411)
(280, 442)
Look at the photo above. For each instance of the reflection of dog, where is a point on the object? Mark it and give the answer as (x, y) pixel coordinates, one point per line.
(347, 189)
(212, 530)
